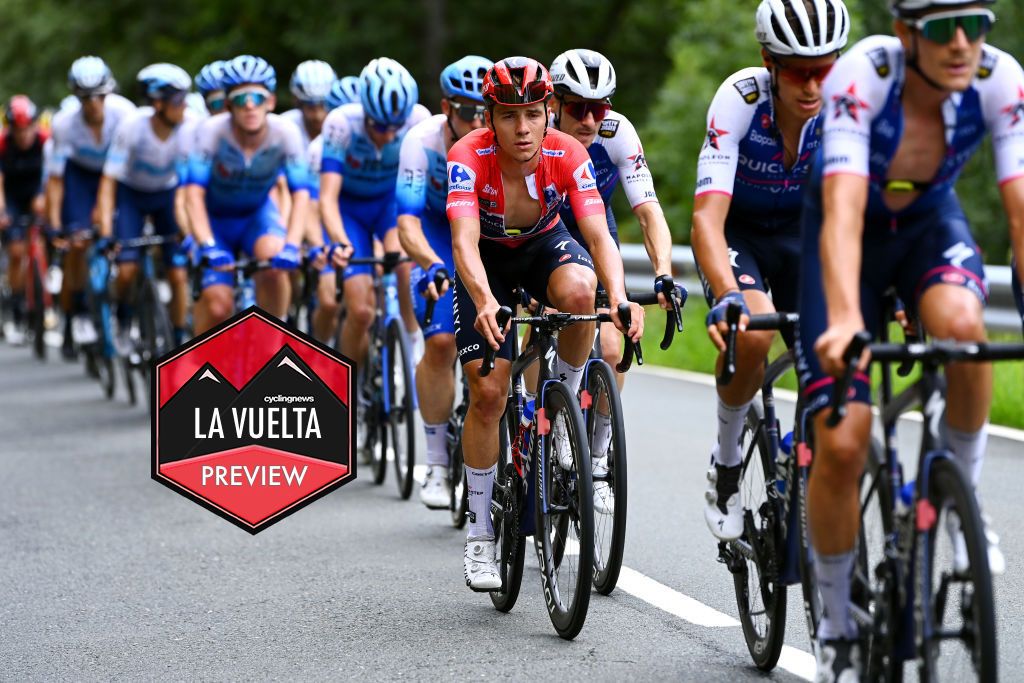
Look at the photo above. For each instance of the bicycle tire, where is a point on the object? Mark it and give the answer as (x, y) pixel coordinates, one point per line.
(759, 548)
(799, 478)
(609, 530)
(874, 592)
(156, 331)
(946, 482)
(458, 491)
(129, 381)
(505, 518)
(37, 316)
(402, 416)
(376, 430)
(569, 497)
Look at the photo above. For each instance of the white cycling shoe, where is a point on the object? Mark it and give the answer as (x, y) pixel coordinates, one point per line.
(480, 566)
(604, 497)
(722, 510)
(434, 492)
(961, 562)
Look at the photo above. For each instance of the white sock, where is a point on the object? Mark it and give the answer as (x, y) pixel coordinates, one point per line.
(437, 444)
(572, 376)
(730, 426)
(602, 435)
(969, 449)
(833, 573)
(481, 485)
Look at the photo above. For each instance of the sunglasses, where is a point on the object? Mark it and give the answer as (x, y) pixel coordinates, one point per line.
(176, 98)
(579, 110)
(800, 75)
(93, 96)
(244, 97)
(309, 104)
(468, 112)
(215, 103)
(941, 27)
(382, 128)
(506, 93)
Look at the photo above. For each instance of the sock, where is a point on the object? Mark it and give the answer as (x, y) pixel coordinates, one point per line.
(572, 376)
(730, 426)
(180, 336)
(79, 304)
(833, 573)
(481, 488)
(437, 444)
(17, 303)
(124, 316)
(602, 436)
(969, 449)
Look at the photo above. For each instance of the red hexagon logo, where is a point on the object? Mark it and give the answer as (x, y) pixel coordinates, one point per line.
(254, 420)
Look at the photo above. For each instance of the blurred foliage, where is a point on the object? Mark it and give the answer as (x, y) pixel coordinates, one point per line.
(670, 57)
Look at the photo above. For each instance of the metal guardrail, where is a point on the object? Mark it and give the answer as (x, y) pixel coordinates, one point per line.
(1000, 316)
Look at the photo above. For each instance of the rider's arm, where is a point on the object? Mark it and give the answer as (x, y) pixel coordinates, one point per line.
(181, 212)
(54, 199)
(411, 198)
(60, 151)
(1013, 201)
(105, 198)
(844, 199)
(296, 189)
(336, 135)
(709, 245)
(657, 237)
(198, 218)
(200, 168)
(468, 264)
(330, 212)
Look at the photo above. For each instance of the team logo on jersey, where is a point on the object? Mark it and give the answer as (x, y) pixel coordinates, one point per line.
(987, 64)
(608, 129)
(551, 195)
(585, 176)
(1016, 110)
(460, 178)
(748, 89)
(714, 133)
(638, 159)
(553, 152)
(486, 151)
(488, 189)
(880, 58)
(848, 104)
(746, 279)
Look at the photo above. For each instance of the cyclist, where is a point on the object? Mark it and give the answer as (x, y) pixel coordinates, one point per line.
(506, 185)
(764, 125)
(21, 196)
(427, 238)
(209, 84)
(236, 162)
(310, 86)
(144, 169)
(357, 187)
(81, 137)
(345, 90)
(905, 114)
(584, 85)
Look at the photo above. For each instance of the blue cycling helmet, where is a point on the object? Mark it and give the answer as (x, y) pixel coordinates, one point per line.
(90, 76)
(387, 91)
(345, 90)
(465, 78)
(246, 70)
(210, 77)
(312, 81)
(162, 80)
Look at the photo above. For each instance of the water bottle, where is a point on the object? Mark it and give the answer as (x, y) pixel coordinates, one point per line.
(782, 462)
(521, 445)
(248, 293)
(391, 295)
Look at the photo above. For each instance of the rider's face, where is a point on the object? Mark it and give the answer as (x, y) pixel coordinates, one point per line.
(92, 108)
(313, 115)
(246, 114)
(174, 113)
(798, 83)
(585, 129)
(460, 125)
(519, 130)
(953, 65)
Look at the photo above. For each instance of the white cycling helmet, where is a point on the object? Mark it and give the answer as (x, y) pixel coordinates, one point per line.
(585, 73)
(903, 8)
(90, 76)
(786, 28)
(312, 81)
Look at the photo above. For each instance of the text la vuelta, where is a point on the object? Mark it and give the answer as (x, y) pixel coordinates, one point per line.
(296, 422)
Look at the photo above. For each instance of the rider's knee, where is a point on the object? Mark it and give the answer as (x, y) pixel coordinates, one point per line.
(487, 399)
(220, 307)
(840, 458)
(439, 350)
(577, 295)
(961, 321)
(752, 347)
(360, 314)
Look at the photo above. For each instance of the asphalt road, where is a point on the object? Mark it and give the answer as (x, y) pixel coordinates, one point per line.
(105, 574)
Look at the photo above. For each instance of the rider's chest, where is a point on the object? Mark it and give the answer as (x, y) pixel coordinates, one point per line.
(921, 148)
(522, 208)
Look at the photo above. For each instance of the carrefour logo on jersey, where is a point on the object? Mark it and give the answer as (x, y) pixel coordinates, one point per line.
(585, 176)
(460, 178)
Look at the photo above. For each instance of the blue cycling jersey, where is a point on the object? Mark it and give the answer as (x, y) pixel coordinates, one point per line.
(423, 171)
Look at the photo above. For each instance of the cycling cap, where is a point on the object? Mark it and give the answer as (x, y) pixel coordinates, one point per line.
(158, 81)
(903, 8)
(345, 90)
(247, 69)
(517, 81)
(585, 73)
(20, 111)
(788, 27)
(387, 91)
(312, 81)
(90, 76)
(465, 77)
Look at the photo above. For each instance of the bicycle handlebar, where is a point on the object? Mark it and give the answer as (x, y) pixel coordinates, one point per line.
(244, 268)
(674, 316)
(440, 277)
(755, 323)
(841, 389)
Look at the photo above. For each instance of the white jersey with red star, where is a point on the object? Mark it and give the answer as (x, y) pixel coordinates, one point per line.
(864, 117)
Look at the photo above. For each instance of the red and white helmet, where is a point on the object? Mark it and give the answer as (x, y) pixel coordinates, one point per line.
(20, 111)
(517, 81)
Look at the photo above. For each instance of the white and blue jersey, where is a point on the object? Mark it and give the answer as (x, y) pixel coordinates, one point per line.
(743, 155)
(315, 153)
(422, 191)
(295, 116)
(618, 158)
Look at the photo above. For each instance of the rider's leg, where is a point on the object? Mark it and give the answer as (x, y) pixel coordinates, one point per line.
(360, 305)
(571, 289)
(435, 386)
(215, 305)
(328, 308)
(480, 439)
(16, 250)
(273, 286)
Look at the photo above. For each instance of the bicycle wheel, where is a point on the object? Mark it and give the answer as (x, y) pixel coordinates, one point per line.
(954, 615)
(402, 414)
(156, 332)
(507, 505)
(373, 429)
(609, 518)
(874, 589)
(458, 492)
(799, 479)
(755, 557)
(37, 316)
(565, 512)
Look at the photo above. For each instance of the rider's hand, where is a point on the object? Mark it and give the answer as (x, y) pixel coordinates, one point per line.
(636, 318)
(717, 326)
(5, 219)
(317, 256)
(426, 284)
(339, 253)
(104, 243)
(486, 324)
(288, 258)
(832, 344)
(216, 257)
(663, 296)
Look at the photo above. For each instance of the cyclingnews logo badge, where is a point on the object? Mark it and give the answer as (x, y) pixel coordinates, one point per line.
(253, 420)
